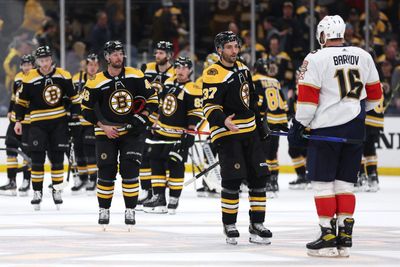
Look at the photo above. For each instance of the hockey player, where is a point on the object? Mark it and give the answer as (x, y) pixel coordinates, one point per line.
(42, 94)
(337, 85)
(109, 103)
(230, 106)
(156, 73)
(27, 63)
(181, 109)
(83, 133)
(273, 107)
(297, 154)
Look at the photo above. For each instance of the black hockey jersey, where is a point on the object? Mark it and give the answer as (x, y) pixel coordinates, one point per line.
(117, 98)
(271, 101)
(281, 68)
(182, 106)
(228, 90)
(16, 86)
(79, 81)
(42, 96)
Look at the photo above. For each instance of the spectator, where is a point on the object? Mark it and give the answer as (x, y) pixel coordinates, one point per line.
(33, 16)
(100, 33)
(74, 57)
(49, 36)
(350, 37)
(245, 51)
(269, 29)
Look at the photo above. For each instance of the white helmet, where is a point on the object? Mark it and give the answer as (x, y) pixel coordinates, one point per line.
(333, 27)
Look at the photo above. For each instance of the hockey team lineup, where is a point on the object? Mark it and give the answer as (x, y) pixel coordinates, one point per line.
(146, 126)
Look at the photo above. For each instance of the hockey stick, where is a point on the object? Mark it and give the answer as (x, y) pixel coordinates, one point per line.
(205, 171)
(71, 160)
(28, 161)
(322, 138)
(179, 131)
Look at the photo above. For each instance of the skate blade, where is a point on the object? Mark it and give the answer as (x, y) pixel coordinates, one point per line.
(139, 207)
(23, 194)
(231, 240)
(171, 211)
(130, 228)
(343, 252)
(156, 210)
(323, 252)
(58, 206)
(77, 192)
(10, 193)
(272, 195)
(91, 192)
(36, 207)
(103, 227)
(259, 240)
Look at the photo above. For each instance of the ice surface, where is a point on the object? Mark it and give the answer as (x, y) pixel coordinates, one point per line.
(192, 237)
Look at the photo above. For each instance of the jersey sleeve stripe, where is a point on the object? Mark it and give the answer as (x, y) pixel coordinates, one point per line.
(308, 94)
(374, 91)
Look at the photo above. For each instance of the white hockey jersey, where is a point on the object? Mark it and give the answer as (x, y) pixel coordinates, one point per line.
(332, 82)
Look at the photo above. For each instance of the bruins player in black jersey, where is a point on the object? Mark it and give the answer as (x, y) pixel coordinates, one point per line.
(181, 109)
(110, 102)
(273, 107)
(156, 73)
(42, 94)
(12, 139)
(83, 133)
(230, 106)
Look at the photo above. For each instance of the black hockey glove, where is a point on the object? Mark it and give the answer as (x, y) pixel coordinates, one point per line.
(138, 124)
(187, 141)
(295, 134)
(75, 127)
(263, 129)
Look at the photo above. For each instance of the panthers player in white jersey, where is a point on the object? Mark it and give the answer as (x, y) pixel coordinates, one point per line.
(337, 85)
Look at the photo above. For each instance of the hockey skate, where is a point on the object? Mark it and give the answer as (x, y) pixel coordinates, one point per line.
(9, 189)
(172, 205)
(130, 218)
(344, 239)
(300, 183)
(231, 233)
(326, 244)
(79, 185)
(37, 199)
(104, 218)
(362, 183)
(157, 204)
(24, 188)
(259, 234)
(274, 183)
(373, 183)
(91, 188)
(57, 198)
(144, 196)
(269, 191)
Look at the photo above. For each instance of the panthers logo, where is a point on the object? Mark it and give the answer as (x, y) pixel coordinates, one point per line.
(52, 94)
(121, 102)
(170, 104)
(245, 94)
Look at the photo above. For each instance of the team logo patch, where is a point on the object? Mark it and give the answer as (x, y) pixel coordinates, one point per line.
(121, 102)
(237, 166)
(212, 72)
(35, 142)
(103, 156)
(245, 94)
(52, 94)
(303, 70)
(170, 104)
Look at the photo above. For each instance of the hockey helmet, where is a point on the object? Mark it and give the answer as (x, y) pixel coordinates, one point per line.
(183, 62)
(112, 46)
(43, 51)
(92, 57)
(165, 46)
(262, 65)
(225, 37)
(28, 58)
(333, 27)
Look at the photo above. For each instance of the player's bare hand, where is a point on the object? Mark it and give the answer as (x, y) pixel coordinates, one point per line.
(18, 128)
(110, 131)
(230, 124)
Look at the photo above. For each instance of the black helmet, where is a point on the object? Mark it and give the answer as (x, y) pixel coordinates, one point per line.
(43, 51)
(112, 46)
(164, 45)
(92, 57)
(225, 37)
(28, 58)
(262, 65)
(184, 62)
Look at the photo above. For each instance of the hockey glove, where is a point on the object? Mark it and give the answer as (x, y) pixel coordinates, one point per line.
(187, 140)
(295, 134)
(263, 129)
(138, 124)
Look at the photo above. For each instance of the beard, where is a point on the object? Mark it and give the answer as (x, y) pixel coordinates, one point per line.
(229, 59)
(117, 65)
(161, 62)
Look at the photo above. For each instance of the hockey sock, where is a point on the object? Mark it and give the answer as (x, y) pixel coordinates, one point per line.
(273, 166)
(92, 172)
(230, 205)
(27, 173)
(37, 173)
(175, 186)
(130, 191)
(12, 165)
(299, 164)
(145, 178)
(57, 166)
(82, 171)
(176, 178)
(257, 198)
(371, 163)
(345, 201)
(325, 202)
(362, 167)
(158, 183)
(105, 192)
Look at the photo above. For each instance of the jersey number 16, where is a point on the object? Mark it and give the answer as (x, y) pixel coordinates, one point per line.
(350, 84)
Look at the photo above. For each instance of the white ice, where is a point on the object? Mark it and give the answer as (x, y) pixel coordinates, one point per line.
(192, 237)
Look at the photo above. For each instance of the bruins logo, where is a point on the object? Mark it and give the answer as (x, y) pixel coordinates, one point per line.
(245, 94)
(170, 104)
(52, 95)
(157, 86)
(121, 102)
(212, 72)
